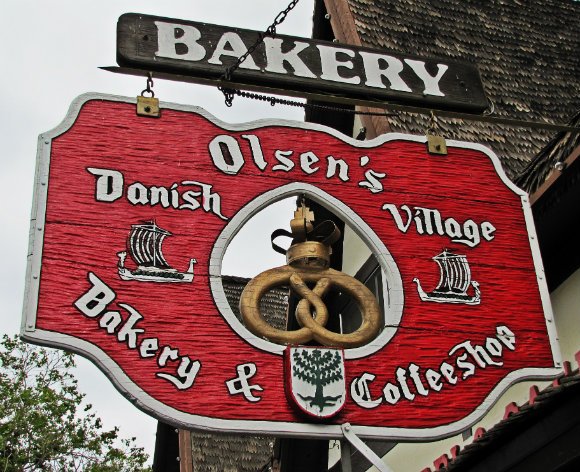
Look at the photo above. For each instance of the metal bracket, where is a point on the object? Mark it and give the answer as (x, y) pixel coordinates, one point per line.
(148, 106)
(436, 145)
(366, 451)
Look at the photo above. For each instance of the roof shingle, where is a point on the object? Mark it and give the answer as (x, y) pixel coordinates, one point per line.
(527, 54)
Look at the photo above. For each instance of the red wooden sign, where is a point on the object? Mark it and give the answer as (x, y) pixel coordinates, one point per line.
(133, 215)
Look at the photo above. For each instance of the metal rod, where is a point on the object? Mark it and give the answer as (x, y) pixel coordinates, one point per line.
(349, 101)
(363, 448)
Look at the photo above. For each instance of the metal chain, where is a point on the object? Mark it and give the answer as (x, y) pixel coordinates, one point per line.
(270, 32)
(314, 106)
(230, 93)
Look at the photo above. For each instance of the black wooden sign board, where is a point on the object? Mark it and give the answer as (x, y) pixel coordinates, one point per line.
(201, 52)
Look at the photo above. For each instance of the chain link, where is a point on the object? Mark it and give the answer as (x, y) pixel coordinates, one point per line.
(281, 17)
(313, 106)
(229, 93)
(433, 124)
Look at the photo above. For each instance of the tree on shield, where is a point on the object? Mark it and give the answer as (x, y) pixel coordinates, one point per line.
(318, 369)
(43, 424)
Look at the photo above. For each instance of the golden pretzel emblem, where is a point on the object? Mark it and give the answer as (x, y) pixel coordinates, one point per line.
(311, 312)
(308, 263)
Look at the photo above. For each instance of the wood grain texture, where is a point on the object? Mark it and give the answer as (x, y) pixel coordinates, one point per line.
(342, 22)
(185, 458)
(83, 235)
(137, 47)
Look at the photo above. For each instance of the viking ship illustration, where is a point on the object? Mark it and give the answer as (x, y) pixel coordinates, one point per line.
(454, 282)
(144, 246)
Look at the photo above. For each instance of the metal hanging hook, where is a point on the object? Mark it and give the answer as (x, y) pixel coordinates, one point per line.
(490, 109)
(148, 105)
(149, 86)
(435, 143)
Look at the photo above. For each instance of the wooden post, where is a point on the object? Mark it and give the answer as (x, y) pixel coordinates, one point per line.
(185, 457)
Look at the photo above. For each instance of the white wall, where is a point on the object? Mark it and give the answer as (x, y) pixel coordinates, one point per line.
(356, 252)
(566, 307)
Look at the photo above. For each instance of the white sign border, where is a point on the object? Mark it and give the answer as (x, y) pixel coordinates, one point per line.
(151, 406)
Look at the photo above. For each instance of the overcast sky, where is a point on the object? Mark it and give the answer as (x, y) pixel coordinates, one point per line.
(51, 54)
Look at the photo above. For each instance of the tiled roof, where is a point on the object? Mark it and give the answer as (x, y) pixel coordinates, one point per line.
(229, 452)
(273, 304)
(528, 54)
(547, 160)
(516, 419)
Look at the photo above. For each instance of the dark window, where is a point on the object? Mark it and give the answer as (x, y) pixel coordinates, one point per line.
(349, 316)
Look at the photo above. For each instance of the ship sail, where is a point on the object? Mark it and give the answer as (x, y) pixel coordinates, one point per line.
(144, 246)
(455, 272)
(145, 242)
(454, 281)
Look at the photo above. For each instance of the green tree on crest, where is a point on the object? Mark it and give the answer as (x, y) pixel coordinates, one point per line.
(318, 369)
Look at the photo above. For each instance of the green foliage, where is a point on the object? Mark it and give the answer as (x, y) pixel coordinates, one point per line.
(43, 424)
(316, 368)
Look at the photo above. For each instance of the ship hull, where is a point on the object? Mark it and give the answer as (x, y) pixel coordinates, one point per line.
(158, 276)
(450, 296)
(440, 297)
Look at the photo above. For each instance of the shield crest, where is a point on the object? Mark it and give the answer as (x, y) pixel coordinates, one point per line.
(315, 380)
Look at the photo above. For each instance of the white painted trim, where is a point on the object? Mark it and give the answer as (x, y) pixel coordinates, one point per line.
(152, 406)
(542, 284)
(36, 235)
(392, 293)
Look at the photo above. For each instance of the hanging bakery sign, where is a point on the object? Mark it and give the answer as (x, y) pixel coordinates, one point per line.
(133, 216)
(200, 52)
